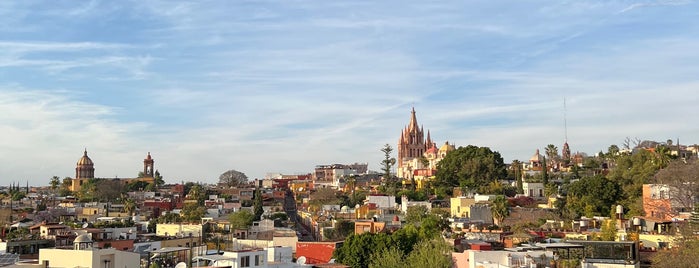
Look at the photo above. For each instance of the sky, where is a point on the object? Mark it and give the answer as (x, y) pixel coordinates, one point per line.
(283, 86)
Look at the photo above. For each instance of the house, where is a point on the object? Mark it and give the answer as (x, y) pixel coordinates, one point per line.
(84, 255)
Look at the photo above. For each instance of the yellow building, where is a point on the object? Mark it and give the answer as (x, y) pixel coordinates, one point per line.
(460, 206)
(178, 230)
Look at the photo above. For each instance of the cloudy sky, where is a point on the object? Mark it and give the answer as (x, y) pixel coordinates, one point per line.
(282, 86)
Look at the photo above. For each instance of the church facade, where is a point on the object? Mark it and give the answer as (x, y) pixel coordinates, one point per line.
(418, 154)
(85, 171)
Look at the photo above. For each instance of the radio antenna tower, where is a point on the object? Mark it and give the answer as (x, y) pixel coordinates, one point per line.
(565, 120)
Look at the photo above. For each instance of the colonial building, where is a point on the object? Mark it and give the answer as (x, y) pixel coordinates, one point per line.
(85, 170)
(412, 145)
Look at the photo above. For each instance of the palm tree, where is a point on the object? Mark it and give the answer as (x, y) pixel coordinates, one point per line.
(129, 206)
(663, 155)
(55, 181)
(500, 209)
(551, 151)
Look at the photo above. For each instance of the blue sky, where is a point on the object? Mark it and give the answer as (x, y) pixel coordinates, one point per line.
(282, 86)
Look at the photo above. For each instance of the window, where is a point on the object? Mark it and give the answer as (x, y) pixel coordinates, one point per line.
(245, 261)
(257, 260)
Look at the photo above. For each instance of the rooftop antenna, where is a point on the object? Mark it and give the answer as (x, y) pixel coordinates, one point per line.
(565, 119)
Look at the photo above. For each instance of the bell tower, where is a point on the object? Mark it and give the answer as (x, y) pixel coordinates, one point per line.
(148, 166)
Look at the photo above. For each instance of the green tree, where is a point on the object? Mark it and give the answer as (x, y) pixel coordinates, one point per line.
(341, 231)
(257, 205)
(434, 253)
(608, 231)
(158, 179)
(170, 217)
(192, 212)
(241, 219)
(500, 209)
(596, 193)
(415, 214)
(551, 151)
(471, 167)
(129, 206)
(65, 187)
(55, 182)
(357, 250)
(88, 191)
(388, 258)
(197, 192)
(386, 166)
(631, 171)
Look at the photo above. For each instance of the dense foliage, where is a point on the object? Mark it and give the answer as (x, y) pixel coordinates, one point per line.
(469, 167)
(422, 226)
(592, 196)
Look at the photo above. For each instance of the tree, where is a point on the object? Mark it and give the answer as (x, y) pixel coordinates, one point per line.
(471, 167)
(388, 258)
(257, 205)
(430, 253)
(55, 182)
(608, 231)
(232, 178)
(197, 192)
(192, 212)
(517, 167)
(500, 209)
(241, 219)
(631, 171)
(593, 195)
(415, 214)
(158, 179)
(65, 186)
(613, 151)
(551, 151)
(387, 163)
(342, 230)
(129, 206)
(170, 217)
(682, 180)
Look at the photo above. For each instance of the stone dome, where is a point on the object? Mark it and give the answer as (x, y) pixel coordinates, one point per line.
(85, 160)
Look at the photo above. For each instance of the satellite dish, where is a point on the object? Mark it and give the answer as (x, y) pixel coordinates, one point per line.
(85, 225)
(331, 261)
(301, 260)
(181, 265)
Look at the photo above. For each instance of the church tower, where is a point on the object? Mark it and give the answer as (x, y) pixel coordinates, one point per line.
(148, 166)
(84, 170)
(412, 143)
